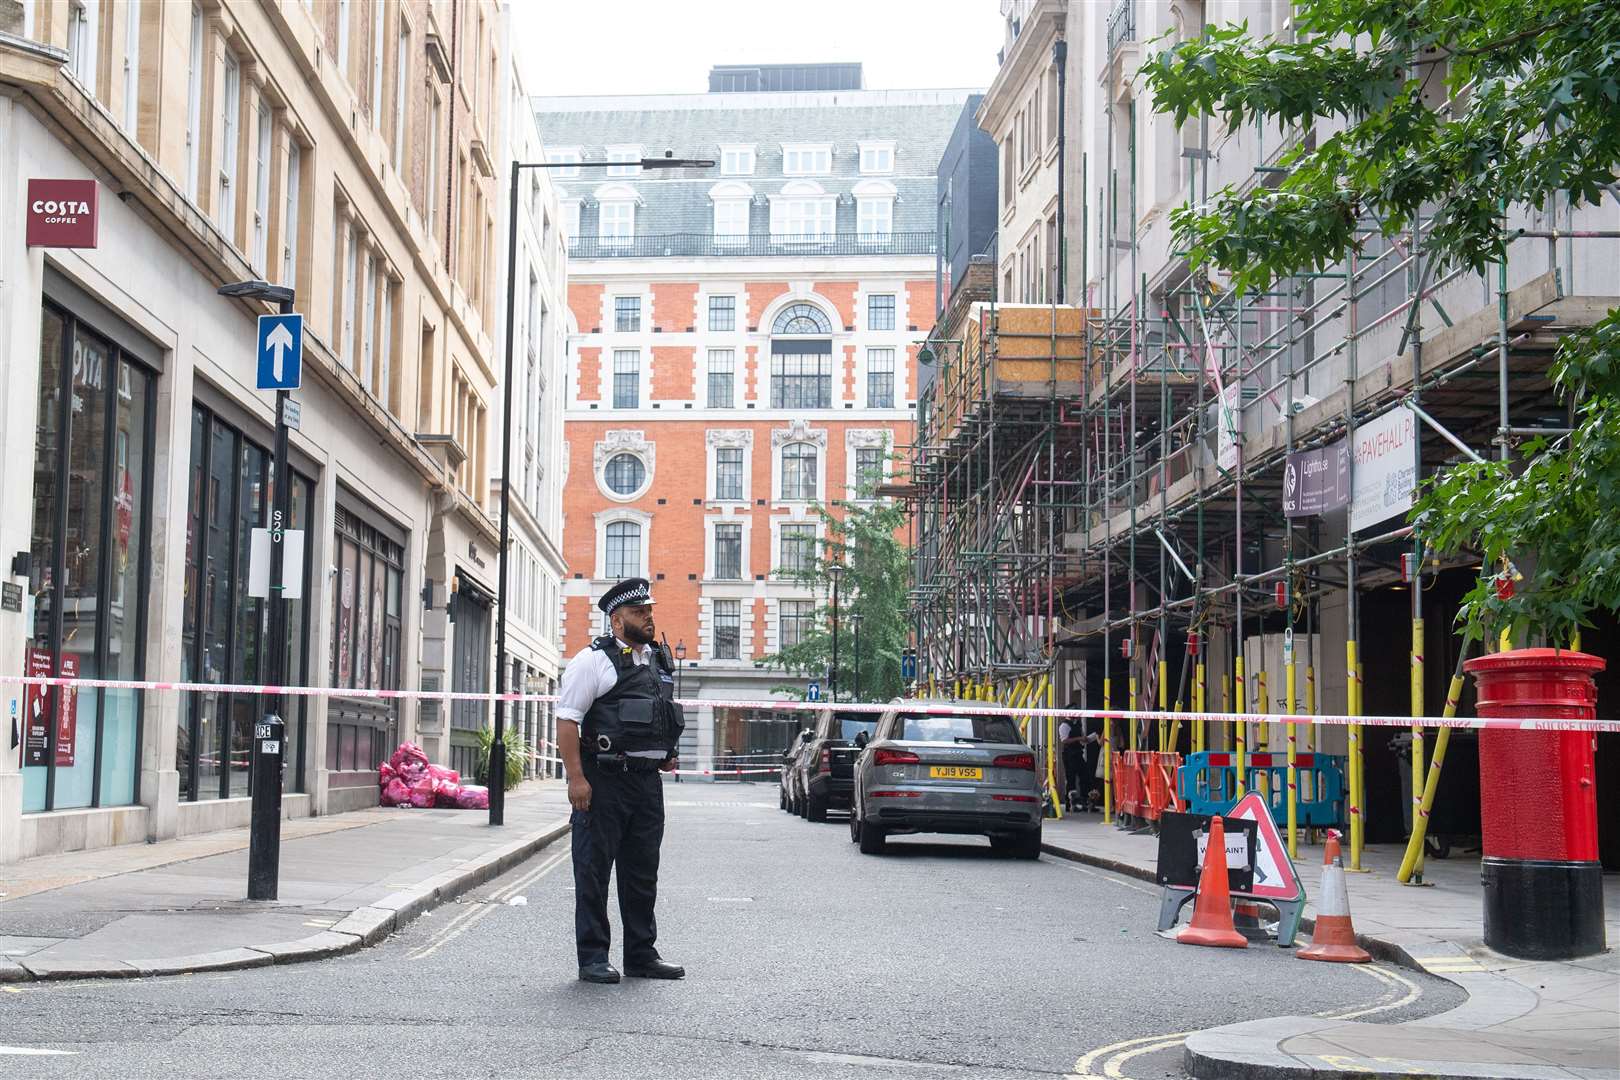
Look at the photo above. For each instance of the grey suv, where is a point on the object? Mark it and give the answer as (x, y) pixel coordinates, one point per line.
(930, 769)
(824, 770)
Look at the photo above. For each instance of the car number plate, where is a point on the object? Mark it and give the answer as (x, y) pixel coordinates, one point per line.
(955, 772)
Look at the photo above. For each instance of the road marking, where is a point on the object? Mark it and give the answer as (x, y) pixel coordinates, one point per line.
(1118, 1061)
(1104, 875)
(34, 1051)
(1413, 992)
(1083, 1066)
(464, 922)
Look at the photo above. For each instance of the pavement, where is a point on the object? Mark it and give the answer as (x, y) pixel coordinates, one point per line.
(176, 907)
(1522, 1019)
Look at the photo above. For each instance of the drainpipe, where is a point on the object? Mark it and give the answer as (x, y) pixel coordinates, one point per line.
(1060, 56)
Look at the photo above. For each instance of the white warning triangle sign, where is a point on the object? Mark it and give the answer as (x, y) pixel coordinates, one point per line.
(1274, 874)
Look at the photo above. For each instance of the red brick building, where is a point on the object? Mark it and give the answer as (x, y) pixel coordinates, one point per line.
(744, 346)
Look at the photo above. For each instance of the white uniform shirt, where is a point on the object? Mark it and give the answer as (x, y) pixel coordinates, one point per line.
(1064, 730)
(588, 676)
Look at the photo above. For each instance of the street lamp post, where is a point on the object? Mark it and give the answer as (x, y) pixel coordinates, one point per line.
(837, 573)
(855, 626)
(264, 821)
(497, 749)
(680, 665)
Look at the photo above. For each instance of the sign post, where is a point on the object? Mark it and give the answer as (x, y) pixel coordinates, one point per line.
(279, 356)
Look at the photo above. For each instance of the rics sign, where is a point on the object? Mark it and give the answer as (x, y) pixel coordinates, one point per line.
(62, 213)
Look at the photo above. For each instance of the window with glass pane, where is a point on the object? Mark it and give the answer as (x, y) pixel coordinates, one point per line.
(801, 381)
(806, 160)
(737, 161)
(627, 314)
(728, 552)
(722, 313)
(798, 548)
(366, 641)
(877, 158)
(880, 378)
(798, 471)
(793, 621)
(616, 223)
(623, 555)
(728, 472)
(625, 474)
(626, 378)
(880, 311)
(87, 571)
(727, 629)
(868, 469)
(731, 221)
(805, 219)
(874, 219)
(722, 372)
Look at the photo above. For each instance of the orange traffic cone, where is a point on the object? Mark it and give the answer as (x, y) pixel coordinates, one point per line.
(1334, 938)
(1212, 911)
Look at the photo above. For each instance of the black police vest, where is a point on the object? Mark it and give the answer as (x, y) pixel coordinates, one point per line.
(639, 713)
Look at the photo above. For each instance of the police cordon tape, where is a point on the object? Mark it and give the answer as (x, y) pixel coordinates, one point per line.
(914, 706)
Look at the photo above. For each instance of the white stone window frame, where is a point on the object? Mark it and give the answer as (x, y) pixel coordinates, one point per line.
(874, 194)
(866, 439)
(727, 517)
(798, 431)
(623, 152)
(799, 151)
(798, 194)
(863, 377)
(739, 150)
(773, 618)
(614, 443)
(744, 598)
(798, 515)
(563, 155)
(607, 517)
(731, 439)
(734, 195)
(617, 196)
(873, 153)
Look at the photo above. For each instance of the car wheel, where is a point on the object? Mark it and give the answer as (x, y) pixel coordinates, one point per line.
(815, 809)
(854, 827)
(1027, 845)
(781, 797)
(872, 839)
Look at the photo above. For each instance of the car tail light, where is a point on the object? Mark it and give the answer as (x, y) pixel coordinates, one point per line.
(894, 795)
(1014, 798)
(826, 761)
(897, 757)
(1015, 761)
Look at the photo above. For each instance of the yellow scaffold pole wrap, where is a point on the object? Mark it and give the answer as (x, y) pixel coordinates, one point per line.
(1130, 725)
(1198, 705)
(1108, 752)
(1412, 861)
(1164, 703)
(1052, 749)
(1417, 729)
(1293, 749)
(1352, 693)
(1240, 736)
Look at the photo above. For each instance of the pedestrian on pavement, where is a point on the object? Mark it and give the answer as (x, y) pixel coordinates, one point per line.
(620, 691)
(1072, 758)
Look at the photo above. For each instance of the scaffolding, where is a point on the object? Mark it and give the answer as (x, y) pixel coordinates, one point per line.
(1132, 522)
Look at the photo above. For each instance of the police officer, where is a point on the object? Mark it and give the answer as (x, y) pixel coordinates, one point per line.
(619, 728)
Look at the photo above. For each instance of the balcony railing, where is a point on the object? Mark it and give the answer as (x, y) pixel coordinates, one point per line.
(1121, 24)
(707, 244)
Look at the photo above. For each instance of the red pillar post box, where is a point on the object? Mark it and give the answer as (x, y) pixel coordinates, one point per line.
(1538, 805)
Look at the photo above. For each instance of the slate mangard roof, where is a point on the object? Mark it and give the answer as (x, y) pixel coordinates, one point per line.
(675, 214)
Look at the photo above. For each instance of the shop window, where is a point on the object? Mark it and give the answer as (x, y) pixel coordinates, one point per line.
(223, 629)
(366, 629)
(89, 566)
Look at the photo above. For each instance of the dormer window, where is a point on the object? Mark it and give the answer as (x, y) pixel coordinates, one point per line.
(624, 152)
(737, 159)
(806, 159)
(563, 155)
(877, 158)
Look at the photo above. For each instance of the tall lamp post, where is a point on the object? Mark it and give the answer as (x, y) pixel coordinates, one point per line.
(836, 570)
(680, 664)
(264, 828)
(855, 626)
(497, 749)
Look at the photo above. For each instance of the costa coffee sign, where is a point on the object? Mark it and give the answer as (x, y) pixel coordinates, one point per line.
(62, 213)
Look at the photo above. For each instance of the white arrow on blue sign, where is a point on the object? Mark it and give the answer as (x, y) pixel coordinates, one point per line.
(280, 352)
(813, 692)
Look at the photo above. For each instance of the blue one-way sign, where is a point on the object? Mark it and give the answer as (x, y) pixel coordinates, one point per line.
(813, 692)
(280, 352)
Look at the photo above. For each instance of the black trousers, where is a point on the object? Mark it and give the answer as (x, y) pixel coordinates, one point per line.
(623, 829)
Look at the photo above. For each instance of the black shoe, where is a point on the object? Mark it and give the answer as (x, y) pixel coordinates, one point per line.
(599, 972)
(655, 969)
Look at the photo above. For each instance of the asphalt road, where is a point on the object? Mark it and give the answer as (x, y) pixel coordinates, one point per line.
(805, 959)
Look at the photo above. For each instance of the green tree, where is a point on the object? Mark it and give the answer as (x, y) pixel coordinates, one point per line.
(876, 578)
(1532, 108)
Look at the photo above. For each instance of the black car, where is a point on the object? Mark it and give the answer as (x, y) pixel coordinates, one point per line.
(823, 769)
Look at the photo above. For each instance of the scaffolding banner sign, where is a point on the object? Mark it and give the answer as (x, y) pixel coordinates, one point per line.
(1316, 481)
(1385, 468)
(1227, 430)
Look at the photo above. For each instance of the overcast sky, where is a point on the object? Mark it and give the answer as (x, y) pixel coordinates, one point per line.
(668, 46)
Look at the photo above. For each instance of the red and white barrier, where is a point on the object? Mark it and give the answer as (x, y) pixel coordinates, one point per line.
(910, 705)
